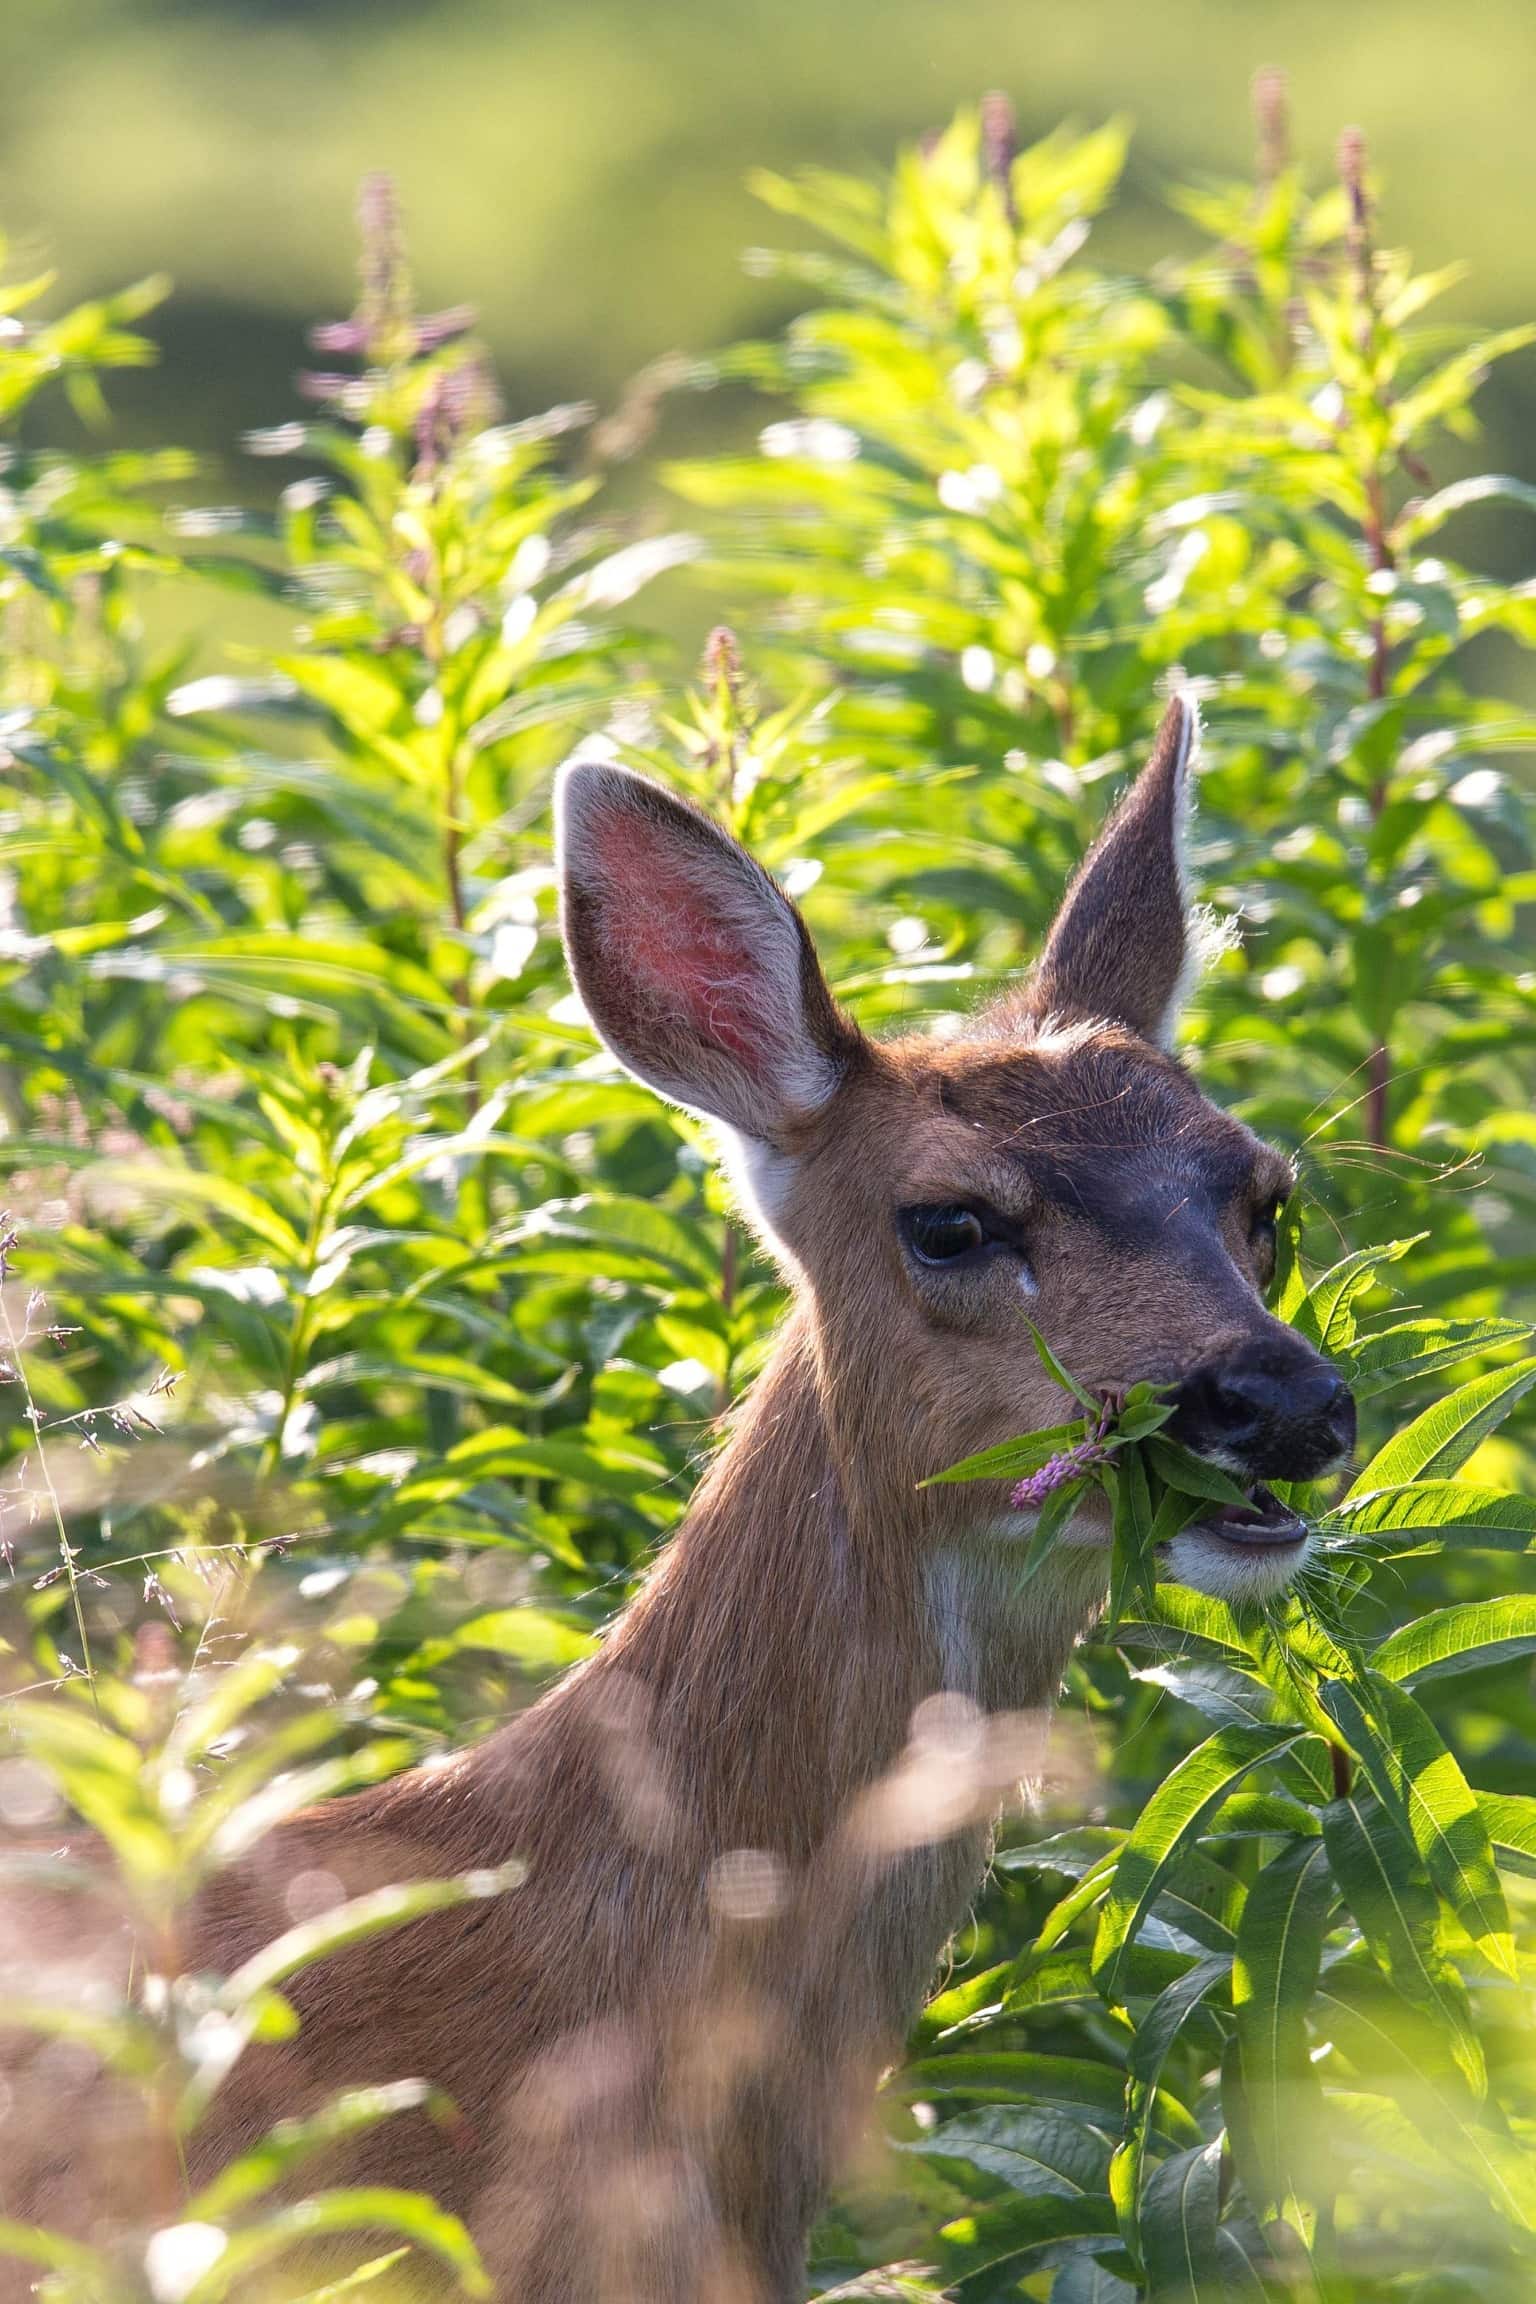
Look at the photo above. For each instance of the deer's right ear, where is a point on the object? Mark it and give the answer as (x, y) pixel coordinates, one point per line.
(692, 963)
(1125, 943)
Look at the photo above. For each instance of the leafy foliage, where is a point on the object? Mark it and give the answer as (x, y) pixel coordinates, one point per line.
(361, 1326)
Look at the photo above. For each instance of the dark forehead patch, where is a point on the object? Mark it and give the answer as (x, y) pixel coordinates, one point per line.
(1107, 1129)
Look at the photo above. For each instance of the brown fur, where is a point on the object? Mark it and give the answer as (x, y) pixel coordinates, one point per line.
(751, 1822)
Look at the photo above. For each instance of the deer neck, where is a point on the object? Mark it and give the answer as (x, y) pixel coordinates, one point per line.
(812, 1602)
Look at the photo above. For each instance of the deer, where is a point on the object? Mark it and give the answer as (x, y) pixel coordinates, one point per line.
(750, 1823)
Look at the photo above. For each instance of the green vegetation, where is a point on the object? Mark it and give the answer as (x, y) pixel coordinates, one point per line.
(363, 1328)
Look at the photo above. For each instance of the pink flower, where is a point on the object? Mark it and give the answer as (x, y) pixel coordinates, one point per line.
(1070, 1464)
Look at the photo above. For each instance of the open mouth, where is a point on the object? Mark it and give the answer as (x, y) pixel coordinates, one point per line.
(1262, 1523)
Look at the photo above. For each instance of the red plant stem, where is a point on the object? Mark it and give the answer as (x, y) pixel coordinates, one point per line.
(1378, 553)
(1343, 1774)
(1379, 1065)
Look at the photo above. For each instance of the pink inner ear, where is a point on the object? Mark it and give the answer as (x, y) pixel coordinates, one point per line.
(671, 932)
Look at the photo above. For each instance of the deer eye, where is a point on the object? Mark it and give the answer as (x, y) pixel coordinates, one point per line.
(1264, 1235)
(943, 1235)
(1267, 1218)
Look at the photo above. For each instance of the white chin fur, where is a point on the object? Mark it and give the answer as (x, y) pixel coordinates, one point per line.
(1203, 1561)
(1227, 1571)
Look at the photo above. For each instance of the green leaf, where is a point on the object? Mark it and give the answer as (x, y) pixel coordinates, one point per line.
(1175, 1811)
(1090, 1890)
(1142, 1412)
(1060, 1375)
(1396, 1910)
(1135, 1525)
(1177, 2224)
(1169, 2013)
(1020, 2228)
(1009, 2076)
(1184, 1622)
(1510, 1818)
(1030, 2149)
(1083, 2281)
(1042, 1982)
(233, 1695)
(1290, 1289)
(1487, 1518)
(1055, 1518)
(98, 1772)
(1072, 1854)
(1190, 1475)
(1325, 1312)
(1010, 1459)
(892, 2284)
(1413, 1349)
(1202, 1898)
(1391, 2046)
(246, 1996)
(1150, 2046)
(625, 1235)
(1274, 1974)
(362, 2276)
(1226, 1697)
(208, 1195)
(1430, 513)
(359, 1919)
(371, 2208)
(68, 2257)
(1419, 1783)
(1263, 1816)
(531, 1635)
(290, 2143)
(1439, 1441)
(1465, 1638)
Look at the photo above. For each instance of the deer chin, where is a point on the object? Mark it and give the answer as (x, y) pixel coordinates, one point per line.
(1240, 1552)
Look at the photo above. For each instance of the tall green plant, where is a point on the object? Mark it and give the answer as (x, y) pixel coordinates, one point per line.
(1014, 492)
(359, 1308)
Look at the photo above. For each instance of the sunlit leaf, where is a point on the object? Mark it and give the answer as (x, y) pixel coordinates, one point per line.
(1419, 1783)
(1464, 1638)
(1173, 1813)
(1380, 1880)
(1440, 1439)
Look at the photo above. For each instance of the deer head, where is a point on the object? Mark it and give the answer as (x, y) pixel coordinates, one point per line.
(1055, 1164)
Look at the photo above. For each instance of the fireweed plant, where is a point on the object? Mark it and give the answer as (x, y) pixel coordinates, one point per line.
(364, 1329)
(1316, 1871)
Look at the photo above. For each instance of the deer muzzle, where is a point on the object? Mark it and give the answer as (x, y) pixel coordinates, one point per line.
(1267, 1407)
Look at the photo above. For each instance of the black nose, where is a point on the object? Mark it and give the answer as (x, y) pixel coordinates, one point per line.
(1271, 1407)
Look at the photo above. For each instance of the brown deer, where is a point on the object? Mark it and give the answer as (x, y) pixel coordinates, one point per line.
(751, 1822)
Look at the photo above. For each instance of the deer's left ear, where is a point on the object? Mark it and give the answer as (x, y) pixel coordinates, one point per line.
(1124, 947)
(694, 965)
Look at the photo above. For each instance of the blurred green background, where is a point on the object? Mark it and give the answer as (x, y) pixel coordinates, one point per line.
(575, 167)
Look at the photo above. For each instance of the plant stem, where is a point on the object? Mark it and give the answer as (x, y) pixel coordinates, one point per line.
(35, 1419)
(298, 1335)
(1343, 1774)
(1378, 545)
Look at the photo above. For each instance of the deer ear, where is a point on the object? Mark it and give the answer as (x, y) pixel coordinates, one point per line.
(1124, 946)
(693, 964)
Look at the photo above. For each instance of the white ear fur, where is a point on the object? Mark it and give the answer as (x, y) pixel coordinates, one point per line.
(693, 965)
(1206, 933)
(1201, 930)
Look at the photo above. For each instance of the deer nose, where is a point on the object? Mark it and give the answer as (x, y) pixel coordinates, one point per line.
(1277, 1411)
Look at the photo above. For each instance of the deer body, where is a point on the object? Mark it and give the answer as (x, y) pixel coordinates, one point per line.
(742, 1869)
(752, 1821)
